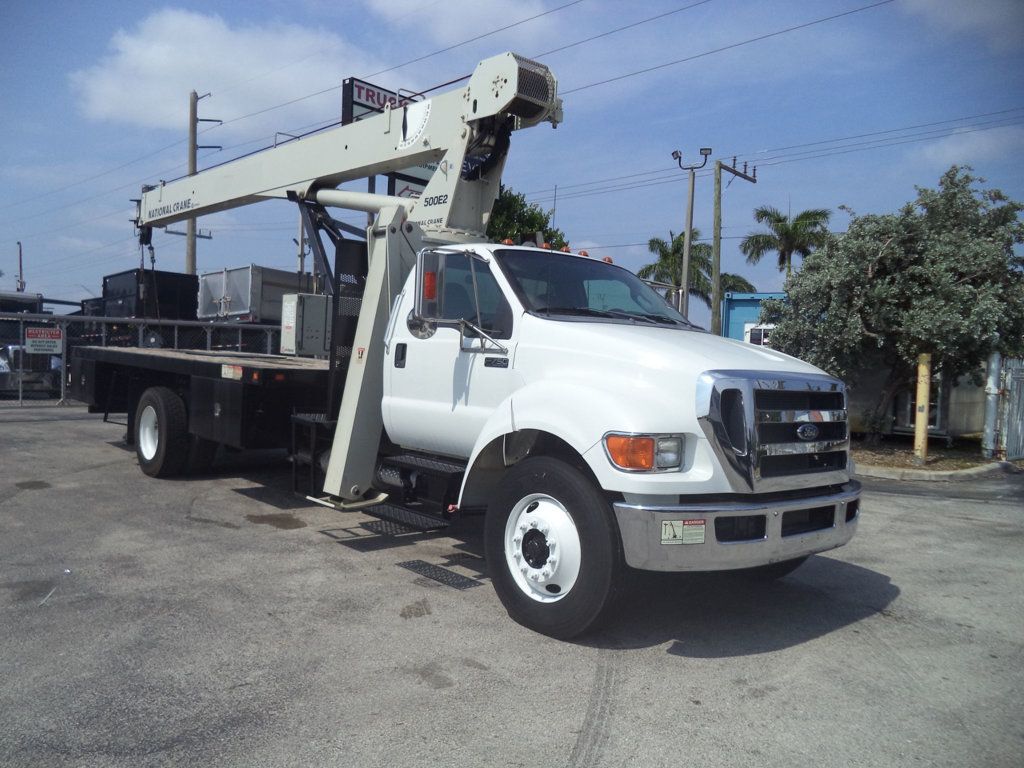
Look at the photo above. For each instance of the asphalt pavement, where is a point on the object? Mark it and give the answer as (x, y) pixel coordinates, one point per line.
(221, 621)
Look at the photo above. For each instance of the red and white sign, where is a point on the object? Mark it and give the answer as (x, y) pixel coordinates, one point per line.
(43, 341)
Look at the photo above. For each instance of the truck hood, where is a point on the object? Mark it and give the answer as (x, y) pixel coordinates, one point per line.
(651, 349)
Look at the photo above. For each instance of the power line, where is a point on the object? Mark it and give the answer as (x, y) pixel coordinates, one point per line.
(620, 29)
(474, 39)
(274, 107)
(655, 177)
(805, 25)
(93, 177)
(506, 27)
(890, 130)
(398, 66)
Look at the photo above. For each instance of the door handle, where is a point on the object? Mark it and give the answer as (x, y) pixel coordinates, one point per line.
(400, 355)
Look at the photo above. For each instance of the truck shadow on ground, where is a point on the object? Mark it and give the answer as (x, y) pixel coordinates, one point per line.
(698, 615)
(721, 615)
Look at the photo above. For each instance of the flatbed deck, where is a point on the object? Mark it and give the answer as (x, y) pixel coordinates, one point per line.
(240, 399)
(211, 363)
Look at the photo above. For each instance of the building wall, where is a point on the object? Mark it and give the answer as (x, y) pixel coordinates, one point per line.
(738, 309)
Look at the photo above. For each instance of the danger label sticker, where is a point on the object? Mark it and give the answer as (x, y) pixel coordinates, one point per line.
(683, 531)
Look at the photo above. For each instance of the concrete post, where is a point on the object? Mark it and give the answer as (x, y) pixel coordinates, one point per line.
(684, 281)
(992, 391)
(924, 381)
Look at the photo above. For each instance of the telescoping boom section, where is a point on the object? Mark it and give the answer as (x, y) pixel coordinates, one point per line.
(465, 132)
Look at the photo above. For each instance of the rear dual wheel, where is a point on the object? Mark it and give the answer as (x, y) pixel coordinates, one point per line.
(161, 432)
(162, 442)
(553, 548)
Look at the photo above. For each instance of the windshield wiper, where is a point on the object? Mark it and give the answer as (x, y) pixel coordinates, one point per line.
(591, 312)
(666, 320)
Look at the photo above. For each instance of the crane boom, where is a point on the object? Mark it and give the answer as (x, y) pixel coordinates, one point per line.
(465, 132)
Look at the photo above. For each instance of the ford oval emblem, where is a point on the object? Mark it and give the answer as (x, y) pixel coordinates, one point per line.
(807, 432)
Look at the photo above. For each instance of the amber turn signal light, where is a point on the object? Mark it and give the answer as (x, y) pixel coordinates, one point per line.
(630, 452)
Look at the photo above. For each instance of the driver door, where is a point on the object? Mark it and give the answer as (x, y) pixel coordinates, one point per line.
(441, 383)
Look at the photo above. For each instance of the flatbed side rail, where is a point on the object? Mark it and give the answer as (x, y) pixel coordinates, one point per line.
(40, 370)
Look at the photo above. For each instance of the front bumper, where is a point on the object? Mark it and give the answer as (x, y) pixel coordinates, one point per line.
(736, 534)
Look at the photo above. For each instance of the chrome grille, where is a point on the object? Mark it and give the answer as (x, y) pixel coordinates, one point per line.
(776, 432)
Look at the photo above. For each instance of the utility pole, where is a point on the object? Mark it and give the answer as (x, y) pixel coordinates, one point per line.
(684, 282)
(20, 284)
(193, 148)
(716, 240)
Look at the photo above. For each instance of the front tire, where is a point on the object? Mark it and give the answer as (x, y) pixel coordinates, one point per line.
(553, 548)
(161, 432)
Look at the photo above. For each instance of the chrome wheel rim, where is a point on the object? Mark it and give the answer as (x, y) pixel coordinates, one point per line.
(542, 548)
(149, 433)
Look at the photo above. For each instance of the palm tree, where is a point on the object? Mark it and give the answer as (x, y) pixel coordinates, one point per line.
(787, 236)
(669, 267)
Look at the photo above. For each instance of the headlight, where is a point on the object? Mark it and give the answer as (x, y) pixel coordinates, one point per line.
(644, 453)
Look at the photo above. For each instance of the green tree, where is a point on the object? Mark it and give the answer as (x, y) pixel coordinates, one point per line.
(786, 236)
(939, 277)
(515, 219)
(669, 267)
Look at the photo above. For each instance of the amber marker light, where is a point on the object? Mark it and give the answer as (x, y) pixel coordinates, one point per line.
(630, 452)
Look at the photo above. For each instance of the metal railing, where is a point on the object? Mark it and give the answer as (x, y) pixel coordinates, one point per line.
(45, 374)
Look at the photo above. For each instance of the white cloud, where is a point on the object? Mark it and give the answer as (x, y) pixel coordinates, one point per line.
(146, 78)
(1000, 22)
(974, 148)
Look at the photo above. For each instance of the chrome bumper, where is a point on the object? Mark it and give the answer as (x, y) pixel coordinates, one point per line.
(688, 548)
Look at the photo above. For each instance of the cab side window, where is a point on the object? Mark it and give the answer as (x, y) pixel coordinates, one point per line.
(457, 296)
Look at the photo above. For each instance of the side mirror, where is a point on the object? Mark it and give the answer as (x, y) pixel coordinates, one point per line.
(436, 306)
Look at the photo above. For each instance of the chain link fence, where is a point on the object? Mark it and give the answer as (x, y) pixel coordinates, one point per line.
(35, 358)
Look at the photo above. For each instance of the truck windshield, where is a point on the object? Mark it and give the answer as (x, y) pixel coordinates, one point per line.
(557, 284)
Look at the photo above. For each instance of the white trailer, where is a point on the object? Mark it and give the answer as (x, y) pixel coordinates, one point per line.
(559, 395)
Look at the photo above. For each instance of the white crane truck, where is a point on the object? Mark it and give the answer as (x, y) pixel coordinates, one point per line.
(561, 396)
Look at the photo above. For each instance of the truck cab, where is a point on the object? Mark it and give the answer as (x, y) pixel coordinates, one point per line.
(565, 382)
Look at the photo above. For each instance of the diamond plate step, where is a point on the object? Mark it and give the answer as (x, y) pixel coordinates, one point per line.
(440, 574)
(422, 462)
(410, 518)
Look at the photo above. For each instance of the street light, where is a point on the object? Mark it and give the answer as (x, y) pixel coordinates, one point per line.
(684, 283)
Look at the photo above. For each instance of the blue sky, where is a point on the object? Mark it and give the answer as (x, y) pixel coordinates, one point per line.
(93, 99)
